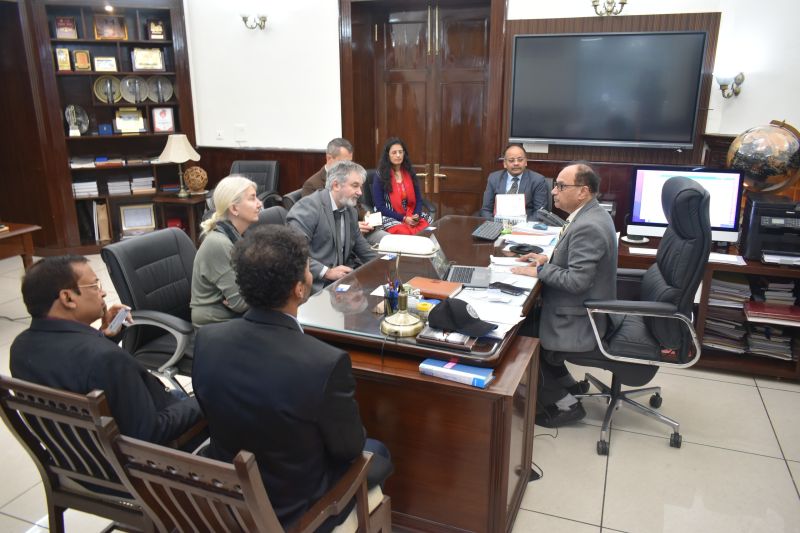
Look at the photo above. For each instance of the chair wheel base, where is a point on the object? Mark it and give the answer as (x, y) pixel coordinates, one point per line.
(602, 447)
(655, 401)
(675, 440)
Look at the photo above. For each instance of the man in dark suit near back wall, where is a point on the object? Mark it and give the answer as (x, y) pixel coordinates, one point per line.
(268, 388)
(515, 179)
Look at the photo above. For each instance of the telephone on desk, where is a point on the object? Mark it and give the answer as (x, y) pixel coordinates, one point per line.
(551, 219)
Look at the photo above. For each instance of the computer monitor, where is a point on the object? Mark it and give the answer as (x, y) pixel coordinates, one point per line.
(724, 187)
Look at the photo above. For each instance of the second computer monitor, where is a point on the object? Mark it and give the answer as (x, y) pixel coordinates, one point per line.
(723, 186)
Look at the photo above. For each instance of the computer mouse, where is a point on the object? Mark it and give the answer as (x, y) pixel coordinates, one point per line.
(540, 225)
(523, 249)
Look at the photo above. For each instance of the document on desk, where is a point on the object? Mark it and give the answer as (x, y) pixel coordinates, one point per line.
(536, 240)
(643, 251)
(727, 259)
(505, 315)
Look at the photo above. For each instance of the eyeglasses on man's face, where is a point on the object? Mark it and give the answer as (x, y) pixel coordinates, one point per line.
(516, 159)
(562, 186)
(98, 285)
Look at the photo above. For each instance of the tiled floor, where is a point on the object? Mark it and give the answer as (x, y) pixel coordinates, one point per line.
(738, 469)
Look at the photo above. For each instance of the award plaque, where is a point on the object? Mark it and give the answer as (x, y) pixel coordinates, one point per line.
(134, 89)
(155, 30)
(105, 64)
(82, 60)
(66, 28)
(160, 89)
(77, 120)
(110, 27)
(62, 59)
(163, 120)
(107, 90)
(129, 120)
(147, 59)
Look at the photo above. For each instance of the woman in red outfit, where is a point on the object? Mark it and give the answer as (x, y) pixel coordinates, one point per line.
(396, 193)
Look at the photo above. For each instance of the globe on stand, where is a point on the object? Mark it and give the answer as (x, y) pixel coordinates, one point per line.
(768, 156)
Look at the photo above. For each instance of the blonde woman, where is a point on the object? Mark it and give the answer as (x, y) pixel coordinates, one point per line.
(215, 295)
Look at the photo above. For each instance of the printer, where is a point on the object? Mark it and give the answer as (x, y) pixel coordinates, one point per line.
(771, 224)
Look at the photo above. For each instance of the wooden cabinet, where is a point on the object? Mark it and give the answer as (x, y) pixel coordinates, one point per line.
(84, 54)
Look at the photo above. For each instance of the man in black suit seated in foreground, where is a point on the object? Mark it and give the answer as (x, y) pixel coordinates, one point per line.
(268, 388)
(62, 350)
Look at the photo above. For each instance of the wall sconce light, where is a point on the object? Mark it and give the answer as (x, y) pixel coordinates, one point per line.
(610, 7)
(255, 21)
(730, 86)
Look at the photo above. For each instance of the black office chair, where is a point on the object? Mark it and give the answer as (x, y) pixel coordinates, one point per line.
(369, 205)
(152, 274)
(291, 198)
(272, 215)
(655, 330)
(265, 175)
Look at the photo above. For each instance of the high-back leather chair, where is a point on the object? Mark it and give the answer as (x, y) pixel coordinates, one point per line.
(292, 198)
(265, 175)
(57, 430)
(656, 330)
(184, 492)
(152, 274)
(272, 215)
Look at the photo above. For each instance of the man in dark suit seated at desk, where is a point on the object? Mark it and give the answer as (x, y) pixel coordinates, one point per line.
(62, 350)
(583, 267)
(515, 179)
(268, 388)
(329, 220)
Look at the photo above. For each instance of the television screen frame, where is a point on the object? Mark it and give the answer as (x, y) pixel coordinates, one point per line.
(620, 119)
(719, 232)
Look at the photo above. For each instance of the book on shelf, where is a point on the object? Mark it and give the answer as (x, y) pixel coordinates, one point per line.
(771, 313)
(170, 187)
(447, 339)
(467, 374)
(150, 190)
(4, 227)
(81, 162)
(119, 188)
(435, 288)
(108, 162)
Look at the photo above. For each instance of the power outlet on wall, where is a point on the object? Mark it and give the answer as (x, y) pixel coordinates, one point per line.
(240, 132)
(220, 135)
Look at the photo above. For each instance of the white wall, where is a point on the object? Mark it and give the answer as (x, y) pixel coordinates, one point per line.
(282, 84)
(276, 88)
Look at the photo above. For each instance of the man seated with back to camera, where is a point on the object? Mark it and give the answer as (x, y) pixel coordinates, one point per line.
(329, 220)
(583, 266)
(267, 387)
(340, 149)
(515, 179)
(62, 350)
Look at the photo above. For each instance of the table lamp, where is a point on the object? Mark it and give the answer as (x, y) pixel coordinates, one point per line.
(178, 150)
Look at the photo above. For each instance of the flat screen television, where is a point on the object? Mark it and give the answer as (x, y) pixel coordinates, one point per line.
(607, 89)
(724, 186)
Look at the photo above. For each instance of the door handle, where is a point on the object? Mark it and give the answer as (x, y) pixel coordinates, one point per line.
(429, 30)
(427, 178)
(436, 177)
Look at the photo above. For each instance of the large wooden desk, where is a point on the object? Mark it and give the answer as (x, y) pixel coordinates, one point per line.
(18, 240)
(462, 455)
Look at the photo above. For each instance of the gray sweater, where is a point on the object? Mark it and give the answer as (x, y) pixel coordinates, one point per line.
(215, 295)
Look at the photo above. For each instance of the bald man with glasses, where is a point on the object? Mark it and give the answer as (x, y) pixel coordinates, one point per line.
(515, 179)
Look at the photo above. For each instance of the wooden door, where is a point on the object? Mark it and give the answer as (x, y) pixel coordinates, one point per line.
(431, 82)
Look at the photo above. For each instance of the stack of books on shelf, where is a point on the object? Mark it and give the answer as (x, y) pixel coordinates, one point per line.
(119, 188)
(81, 162)
(170, 187)
(725, 329)
(729, 290)
(772, 341)
(144, 185)
(108, 162)
(84, 189)
(137, 161)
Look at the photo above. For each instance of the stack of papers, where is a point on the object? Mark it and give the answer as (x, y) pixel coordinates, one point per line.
(729, 290)
(84, 189)
(119, 187)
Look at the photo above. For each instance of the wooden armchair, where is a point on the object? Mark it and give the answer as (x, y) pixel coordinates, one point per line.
(184, 492)
(58, 430)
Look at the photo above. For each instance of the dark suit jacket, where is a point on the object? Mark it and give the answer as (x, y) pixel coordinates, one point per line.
(315, 182)
(531, 183)
(287, 397)
(313, 216)
(583, 267)
(71, 356)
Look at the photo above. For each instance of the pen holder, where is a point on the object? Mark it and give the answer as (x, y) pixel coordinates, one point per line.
(389, 302)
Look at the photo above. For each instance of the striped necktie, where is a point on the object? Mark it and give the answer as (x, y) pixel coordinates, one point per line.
(514, 186)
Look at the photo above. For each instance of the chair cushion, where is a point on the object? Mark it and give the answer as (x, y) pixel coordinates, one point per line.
(631, 338)
(350, 524)
(154, 353)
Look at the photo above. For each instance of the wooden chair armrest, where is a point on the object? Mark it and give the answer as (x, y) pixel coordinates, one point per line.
(338, 497)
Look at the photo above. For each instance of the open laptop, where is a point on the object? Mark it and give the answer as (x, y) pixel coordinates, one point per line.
(469, 276)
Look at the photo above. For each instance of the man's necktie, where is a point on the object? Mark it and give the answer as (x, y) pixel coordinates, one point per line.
(563, 229)
(514, 186)
(339, 236)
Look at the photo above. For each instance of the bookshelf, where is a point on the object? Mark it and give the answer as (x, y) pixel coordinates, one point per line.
(121, 68)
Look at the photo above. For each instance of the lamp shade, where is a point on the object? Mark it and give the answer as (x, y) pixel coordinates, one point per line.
(178, 150)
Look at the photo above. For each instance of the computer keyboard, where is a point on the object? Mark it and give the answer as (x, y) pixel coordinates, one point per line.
(461, 274)
(488, 231)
